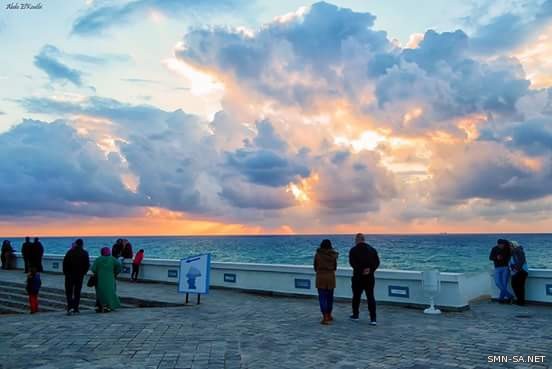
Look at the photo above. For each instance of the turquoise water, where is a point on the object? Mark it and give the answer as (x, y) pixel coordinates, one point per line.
(453, 253)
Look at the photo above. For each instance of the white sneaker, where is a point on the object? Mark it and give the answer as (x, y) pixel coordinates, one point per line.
(373, 323)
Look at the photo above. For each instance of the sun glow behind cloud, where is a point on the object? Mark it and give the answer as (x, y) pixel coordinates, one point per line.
(201, 84)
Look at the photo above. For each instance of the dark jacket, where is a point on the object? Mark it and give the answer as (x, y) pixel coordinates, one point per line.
(127, 251)
(36, 251)
(76, 262)
(500, 257)
(117, 250)
(6, 248)
(363, 256)
(325, 264)
(25, 248)
(33, 284)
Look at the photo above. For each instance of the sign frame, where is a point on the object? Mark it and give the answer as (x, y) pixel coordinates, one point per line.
(182, 276)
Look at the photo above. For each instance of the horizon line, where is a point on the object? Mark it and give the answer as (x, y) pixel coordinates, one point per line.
(281, 234)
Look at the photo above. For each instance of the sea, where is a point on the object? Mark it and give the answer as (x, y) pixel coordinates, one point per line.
(444, 252)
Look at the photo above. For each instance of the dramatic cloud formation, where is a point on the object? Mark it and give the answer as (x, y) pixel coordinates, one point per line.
(76, 177)
(324, 122)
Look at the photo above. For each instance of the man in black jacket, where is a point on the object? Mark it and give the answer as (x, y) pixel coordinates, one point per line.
(364, 260)
(75, 266)
(36, 251)
(25, 248)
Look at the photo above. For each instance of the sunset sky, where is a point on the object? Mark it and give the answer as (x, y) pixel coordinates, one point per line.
(168, 117)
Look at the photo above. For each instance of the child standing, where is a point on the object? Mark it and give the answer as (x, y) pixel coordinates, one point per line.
(136, 264)
(33, 286)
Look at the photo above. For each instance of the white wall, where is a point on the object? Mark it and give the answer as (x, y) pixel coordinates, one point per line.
(395, 286)
(538, 287)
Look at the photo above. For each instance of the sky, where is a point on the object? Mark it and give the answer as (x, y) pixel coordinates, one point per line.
(183, 117)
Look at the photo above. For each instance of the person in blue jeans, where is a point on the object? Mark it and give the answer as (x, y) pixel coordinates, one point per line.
(325, 264)
(500, 255)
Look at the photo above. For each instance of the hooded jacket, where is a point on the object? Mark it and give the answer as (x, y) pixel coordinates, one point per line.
(325, 264)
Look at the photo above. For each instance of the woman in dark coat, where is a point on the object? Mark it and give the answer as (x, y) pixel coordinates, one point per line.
(7, 252)
(325, 264)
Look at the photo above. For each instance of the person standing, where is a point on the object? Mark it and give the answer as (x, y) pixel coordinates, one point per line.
(136, 264)
(106, 269)
(25, 249)
(36, 251)
(325, 264)
(32, 287)
(75, 266)
(6, 253)
(364, 260)
(127, 250)
(520, 271)
(500, 255)
(117, 248)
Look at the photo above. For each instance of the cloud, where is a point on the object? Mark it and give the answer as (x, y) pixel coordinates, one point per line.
(300, 59)
(323, 121)
(47, 60)
(352, 183)
(266, 161)
(489, 170)
(76, 177)
(101, 17)
(489, 38)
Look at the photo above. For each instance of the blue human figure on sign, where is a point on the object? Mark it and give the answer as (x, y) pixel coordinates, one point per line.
(192, 274)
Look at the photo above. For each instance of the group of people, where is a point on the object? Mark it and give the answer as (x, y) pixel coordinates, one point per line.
(364, 260)
(76, 265)
(509, 261)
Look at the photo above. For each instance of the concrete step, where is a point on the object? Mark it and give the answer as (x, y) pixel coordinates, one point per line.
(12, 310)
(58, 305)
(127, 302)
(21, 306)
(51, 299)
(58, 295)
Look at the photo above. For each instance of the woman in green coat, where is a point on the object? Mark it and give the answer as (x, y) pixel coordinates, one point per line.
(105, 268)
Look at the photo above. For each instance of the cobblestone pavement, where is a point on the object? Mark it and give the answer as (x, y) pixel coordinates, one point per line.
(237, 330)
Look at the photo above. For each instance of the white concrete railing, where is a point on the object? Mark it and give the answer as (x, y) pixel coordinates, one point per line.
(538, 287)
(395, 286)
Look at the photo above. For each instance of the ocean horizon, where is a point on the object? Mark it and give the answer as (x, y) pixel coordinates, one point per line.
(447, 252)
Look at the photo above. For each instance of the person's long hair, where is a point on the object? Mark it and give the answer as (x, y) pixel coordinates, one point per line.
(326, 244)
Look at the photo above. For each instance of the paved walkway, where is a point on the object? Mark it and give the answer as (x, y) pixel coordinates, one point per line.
(237, 330)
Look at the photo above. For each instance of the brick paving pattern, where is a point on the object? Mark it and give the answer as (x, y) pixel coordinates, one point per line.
(237, 330)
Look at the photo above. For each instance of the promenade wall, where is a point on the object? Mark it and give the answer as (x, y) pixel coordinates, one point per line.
(392, 286)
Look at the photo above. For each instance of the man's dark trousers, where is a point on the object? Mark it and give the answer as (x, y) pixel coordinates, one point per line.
(366, 284)
(73, 287)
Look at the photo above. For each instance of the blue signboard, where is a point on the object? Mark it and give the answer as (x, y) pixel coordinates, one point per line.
(172, 273)
(195, 274)
(230, 277)
(55, 265)
(398, 291)
(303, 283)
(549, 289)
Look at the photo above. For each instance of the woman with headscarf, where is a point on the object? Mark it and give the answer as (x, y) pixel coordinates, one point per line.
(106, 268)
(325, 264)
(519, 271)
(7, 252)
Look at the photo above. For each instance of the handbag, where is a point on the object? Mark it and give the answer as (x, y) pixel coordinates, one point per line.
(92, 281)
